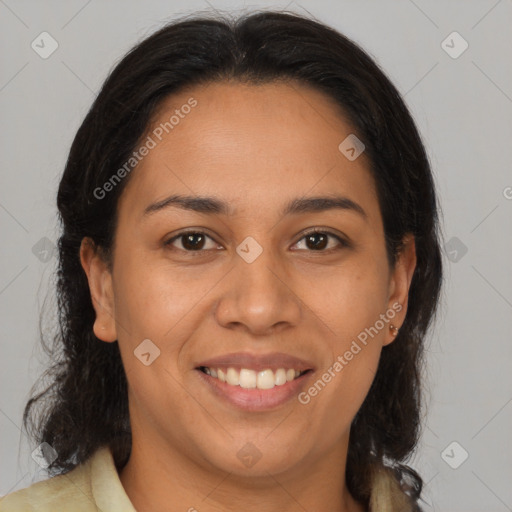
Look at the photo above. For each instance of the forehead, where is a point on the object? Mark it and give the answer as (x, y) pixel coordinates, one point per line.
(249, 144)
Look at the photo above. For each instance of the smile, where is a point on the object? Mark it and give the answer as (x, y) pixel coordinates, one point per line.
(255, 382)
(251, 379)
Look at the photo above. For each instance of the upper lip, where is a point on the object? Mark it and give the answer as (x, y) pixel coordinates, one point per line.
(257, 362)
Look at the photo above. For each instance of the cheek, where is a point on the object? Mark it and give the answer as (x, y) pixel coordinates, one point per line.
(339, 388)
(151, 297)
(351, 305)
(348, 297)
(157, 302)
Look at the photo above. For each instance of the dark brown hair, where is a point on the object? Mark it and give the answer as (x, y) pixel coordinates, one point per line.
(85, 404)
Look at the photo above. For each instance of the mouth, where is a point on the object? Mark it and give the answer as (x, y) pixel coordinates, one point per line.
(255, 382)
(251, 379)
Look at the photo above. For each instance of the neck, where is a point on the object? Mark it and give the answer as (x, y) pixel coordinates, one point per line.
(153, 479)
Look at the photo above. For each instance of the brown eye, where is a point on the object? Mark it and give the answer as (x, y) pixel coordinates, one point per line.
(190, 241)
(315, 241)
(318, 240)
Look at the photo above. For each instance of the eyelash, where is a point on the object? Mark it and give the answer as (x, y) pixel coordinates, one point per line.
(343, 243)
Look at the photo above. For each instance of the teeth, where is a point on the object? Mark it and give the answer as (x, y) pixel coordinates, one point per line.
(266, 379)
(250, 379)
(280, 377)
(232, 377)
(247, 379)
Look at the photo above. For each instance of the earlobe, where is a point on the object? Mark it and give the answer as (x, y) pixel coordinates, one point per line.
(100, 286)
(399, 286)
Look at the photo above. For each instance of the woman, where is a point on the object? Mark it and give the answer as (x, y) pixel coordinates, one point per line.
(249, 264)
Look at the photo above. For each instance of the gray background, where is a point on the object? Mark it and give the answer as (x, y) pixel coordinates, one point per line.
(463, 107)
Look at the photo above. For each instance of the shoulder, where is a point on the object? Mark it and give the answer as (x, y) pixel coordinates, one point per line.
(54, 493)
(81, 490)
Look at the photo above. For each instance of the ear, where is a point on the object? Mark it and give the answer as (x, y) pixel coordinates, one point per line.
(100, 285)
(399, 284)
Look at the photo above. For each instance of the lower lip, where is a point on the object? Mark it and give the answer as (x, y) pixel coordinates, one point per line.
(255, 399)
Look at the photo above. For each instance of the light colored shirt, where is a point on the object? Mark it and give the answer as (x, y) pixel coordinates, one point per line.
(90, 487)
(95, 487)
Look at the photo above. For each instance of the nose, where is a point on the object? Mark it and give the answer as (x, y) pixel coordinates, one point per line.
(259, 297)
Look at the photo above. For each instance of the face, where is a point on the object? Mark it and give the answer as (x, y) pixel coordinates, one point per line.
(264, 336)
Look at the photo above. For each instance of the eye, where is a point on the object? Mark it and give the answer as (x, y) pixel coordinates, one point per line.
(191, 241)
(317, 240)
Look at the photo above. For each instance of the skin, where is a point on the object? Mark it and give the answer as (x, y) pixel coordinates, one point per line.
(256, 147)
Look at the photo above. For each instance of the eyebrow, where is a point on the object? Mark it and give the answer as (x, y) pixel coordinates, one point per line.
(214, 206)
